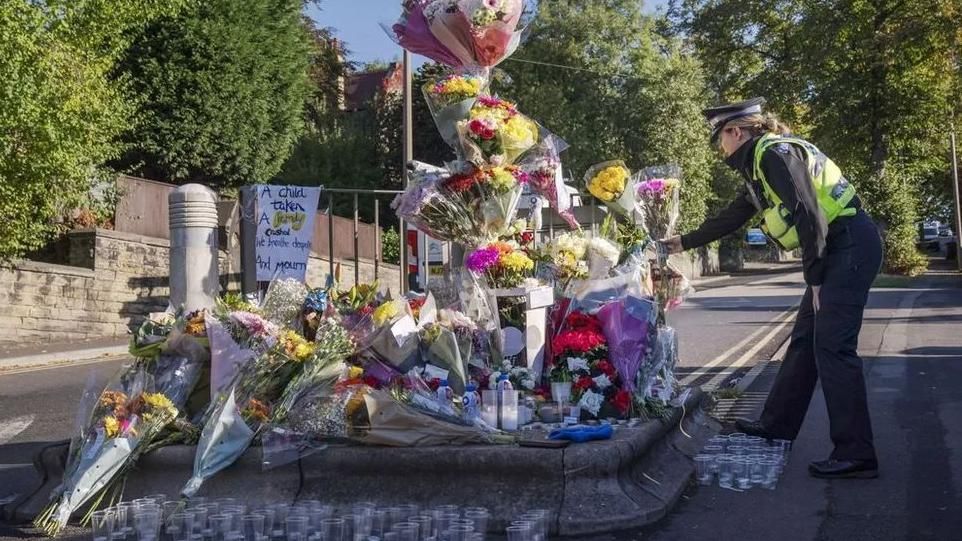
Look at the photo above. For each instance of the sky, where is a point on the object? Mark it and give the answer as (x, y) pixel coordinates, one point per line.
(357, 23)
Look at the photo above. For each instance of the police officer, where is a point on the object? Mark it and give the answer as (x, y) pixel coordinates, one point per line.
(804, 202)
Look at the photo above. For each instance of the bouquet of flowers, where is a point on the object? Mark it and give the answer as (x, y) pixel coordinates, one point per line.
(580, 353)
(332, 347)
(443, 205)
(671, 288)
(395, 337)
(603, 255)
(612, 183)
(451, 98)
(503, 265)
(657, 191)
(477, 32)
(565, 258)
(543, 165)
(496, 133)
(413, 32)
(241, 409)
(449, 342)
(235, 338)
(355, 307)
(128, 415)
(629, 325)
(519, 376)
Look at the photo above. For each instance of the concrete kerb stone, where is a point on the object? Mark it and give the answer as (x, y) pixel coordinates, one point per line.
(631, 480)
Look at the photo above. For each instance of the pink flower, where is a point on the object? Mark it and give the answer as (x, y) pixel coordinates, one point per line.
(483, 128)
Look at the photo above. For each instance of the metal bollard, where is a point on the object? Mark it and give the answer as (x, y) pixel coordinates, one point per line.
(194, 274)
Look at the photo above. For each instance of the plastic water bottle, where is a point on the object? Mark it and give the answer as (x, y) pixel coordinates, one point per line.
(504, 384)
(472, 402)
(445, 394)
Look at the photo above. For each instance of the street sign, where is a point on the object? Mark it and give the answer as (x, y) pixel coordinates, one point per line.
(756, 237)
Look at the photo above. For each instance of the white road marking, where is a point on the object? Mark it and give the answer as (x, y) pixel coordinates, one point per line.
(779, 321)
(10, 429)
(747, 356)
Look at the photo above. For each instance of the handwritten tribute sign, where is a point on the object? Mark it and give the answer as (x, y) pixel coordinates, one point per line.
(285, 227)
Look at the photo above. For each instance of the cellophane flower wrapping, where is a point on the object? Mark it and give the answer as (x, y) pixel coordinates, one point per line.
(613, 184)
(543, 165)
(657, 189)
(657, 377)
(413, 32)
(477, 32)
(450, 99)
(129, 413)
(496, 134)
(629, 325)
(235, 338)
(448, 342)
(239, 412)
(440, 205)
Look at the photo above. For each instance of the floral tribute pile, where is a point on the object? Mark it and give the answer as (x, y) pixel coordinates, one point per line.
(304, 367)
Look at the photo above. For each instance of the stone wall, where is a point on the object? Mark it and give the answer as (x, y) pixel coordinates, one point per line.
(113, 282)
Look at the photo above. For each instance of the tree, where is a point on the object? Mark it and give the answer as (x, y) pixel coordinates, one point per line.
(627, 92)
(872, 82)
(221, 91)
(60, 112)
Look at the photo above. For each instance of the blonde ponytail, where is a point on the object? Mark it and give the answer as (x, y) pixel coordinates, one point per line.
(760, 124)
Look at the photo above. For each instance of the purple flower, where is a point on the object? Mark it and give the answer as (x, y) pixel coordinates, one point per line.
(255, 325)
(482, 259)
(651, 188)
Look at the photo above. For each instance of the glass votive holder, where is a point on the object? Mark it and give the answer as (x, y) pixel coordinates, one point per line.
(726, 473)
(703, 469)
(741, 469)
(770, 469)
(363, 522)
(720, 440)
(102, 524)
(479, 516)
(348, 527)
(757, 471)
(406, 531)
(332, 529)
(516, 532)
(253, 526)
(459, 532)
(425, 525)
(754, 440)
(737, 450)
(296, 525)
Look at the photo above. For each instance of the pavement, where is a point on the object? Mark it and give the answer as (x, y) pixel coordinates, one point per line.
(912, 348)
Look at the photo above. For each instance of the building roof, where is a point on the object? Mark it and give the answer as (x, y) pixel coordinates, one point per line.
(361, 88)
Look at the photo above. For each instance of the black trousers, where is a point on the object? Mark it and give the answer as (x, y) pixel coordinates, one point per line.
(825, 345)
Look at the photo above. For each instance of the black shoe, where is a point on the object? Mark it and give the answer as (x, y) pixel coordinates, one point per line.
(844, 469)
(753, 428)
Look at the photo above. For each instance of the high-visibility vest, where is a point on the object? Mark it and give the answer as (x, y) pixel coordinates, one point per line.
(832, 190)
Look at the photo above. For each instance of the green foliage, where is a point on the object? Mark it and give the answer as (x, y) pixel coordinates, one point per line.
(60, 113)
(892, 199)
(391, 246)
(635, 95)
(872, 82)
(221, 92)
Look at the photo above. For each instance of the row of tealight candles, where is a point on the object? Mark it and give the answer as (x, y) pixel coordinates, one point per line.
(157, 518)
(742, 461)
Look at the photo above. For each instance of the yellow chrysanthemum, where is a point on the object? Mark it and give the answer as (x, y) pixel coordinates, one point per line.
(519, 132)
(303, 351)
(386, 312)
(111, 426)
(609, 183)
(158, 401)
(517, 262)
(355, 372)
(461, 86)
(501, 179)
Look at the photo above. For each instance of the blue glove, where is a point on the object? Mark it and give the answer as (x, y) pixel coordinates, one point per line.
(581, 434)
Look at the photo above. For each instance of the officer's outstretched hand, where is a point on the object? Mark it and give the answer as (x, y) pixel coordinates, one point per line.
(673, 244)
